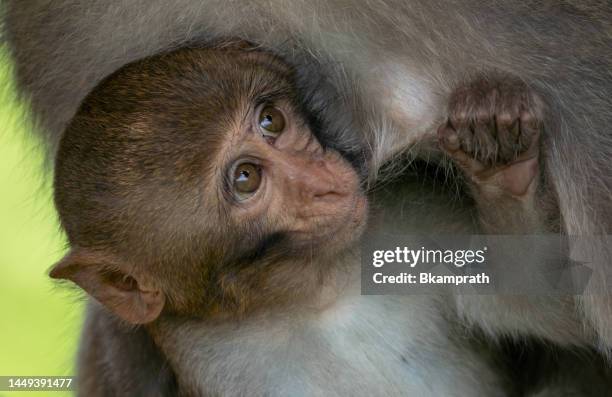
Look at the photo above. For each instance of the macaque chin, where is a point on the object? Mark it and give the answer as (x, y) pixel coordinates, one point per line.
(193, 183)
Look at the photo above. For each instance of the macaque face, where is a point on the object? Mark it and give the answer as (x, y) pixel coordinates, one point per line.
(195, 176)
(278, 174)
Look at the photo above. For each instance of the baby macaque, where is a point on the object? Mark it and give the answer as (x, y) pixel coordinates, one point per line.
(201, 207)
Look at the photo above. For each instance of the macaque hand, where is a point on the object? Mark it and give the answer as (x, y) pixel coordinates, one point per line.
(492, 134)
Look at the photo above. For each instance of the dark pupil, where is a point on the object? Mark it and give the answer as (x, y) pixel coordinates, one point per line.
(244, 175)
(267, 121)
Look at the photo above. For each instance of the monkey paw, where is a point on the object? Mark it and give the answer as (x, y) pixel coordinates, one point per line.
(492, 134)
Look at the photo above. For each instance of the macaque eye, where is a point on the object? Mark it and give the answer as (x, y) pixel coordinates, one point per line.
(247, 178)
(271, 121)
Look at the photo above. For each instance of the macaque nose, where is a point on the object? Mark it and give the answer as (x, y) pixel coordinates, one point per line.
(312, 178)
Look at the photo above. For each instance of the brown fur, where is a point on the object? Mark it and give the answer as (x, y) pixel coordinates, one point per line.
(140, 189)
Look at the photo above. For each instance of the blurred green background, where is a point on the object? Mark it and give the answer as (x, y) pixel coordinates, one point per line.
(39, 323)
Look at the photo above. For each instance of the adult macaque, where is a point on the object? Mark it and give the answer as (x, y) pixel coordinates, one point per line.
(397, 69)
(392, 66)
(199, 202)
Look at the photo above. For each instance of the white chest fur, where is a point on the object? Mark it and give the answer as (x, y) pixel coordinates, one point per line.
(362, 345)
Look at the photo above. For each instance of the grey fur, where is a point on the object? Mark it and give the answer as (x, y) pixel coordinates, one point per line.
(392, 65)
(385, 58)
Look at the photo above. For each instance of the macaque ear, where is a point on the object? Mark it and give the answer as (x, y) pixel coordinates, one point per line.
(104, 278)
